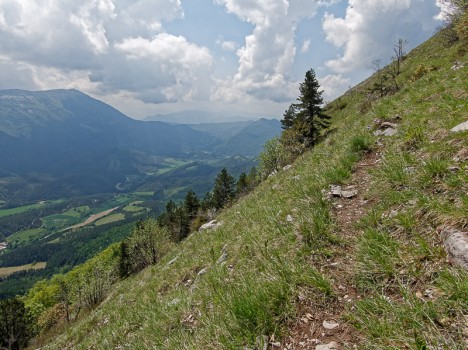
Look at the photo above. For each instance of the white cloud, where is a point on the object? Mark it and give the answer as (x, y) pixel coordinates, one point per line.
(370, 28)
(333, 86)
(266, 59)
(445, 10)
(178, 71)
(305, 46)
(229, 45)
(104, 46)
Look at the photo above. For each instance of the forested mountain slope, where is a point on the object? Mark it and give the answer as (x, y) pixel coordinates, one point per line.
(294, 265)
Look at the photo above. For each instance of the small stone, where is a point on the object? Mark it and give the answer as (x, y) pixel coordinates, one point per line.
(330, 325)
(456, 245)
(201, 272)
(275, 344)
(460, 127)
(330, 346)
(386, 132)
(349, 194)
(457, 65)
(444, 321)
(409, 169)
(335, 190)
(287, 167)
(289, 218)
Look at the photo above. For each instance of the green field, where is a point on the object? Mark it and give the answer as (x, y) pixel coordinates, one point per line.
(18, 210)
(6, 271)
(24, 208)
(110, 218)
(26, 235)
(133, 207)
(58, 221)
(148, 193)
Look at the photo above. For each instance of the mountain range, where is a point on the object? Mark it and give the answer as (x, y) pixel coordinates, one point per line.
(63, 142)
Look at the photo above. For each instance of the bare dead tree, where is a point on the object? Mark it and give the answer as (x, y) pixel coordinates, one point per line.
(399, 50)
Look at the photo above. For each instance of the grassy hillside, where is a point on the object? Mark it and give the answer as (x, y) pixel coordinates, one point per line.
(287, 258)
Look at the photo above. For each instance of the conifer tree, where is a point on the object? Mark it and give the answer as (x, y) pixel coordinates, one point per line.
(224, 189)
(191, 204)
(306, 116)
(242, 186)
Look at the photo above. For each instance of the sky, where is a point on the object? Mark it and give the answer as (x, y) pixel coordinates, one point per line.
(232, 57)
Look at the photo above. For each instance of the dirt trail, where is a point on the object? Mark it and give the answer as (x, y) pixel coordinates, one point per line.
(314, 318)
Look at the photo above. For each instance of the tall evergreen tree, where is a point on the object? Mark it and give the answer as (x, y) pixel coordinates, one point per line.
(191, 204)
(242, 186)
(224, 189)
(307, 116)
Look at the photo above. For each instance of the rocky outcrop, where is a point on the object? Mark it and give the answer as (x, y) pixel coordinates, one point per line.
(212, 225)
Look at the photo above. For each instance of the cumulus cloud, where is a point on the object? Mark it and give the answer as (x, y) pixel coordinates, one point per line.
(333, 86)
(370, 28)
(229, 45)
(267, 57)
(104, 45)
(305, 46)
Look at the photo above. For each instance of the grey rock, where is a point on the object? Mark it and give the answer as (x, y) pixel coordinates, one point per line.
(330, 346)
(409, 170)
(202, 272)
(262, 342)
(287, 167)
(456, 246)
(460, 127)
(289, 218)
(335, 190)
(385, 132)
(224, 255)
(458, 65)
(330, 325)
(349, 194)
(212, 225)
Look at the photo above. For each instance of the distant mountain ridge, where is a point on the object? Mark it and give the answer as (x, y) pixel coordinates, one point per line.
(65, 142)
(198, 117)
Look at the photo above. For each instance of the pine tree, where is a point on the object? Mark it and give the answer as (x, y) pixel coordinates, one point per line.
(191, 204)
(242, 186)
(307, 117)
(125, 263)
(224, 189)
(253, 179)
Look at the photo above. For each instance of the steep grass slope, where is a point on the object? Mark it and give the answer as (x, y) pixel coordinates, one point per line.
(277, 250)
